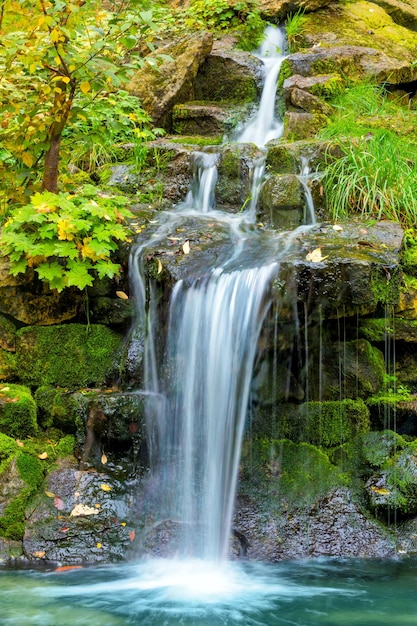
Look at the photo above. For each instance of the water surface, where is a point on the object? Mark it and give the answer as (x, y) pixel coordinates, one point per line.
(173, 593)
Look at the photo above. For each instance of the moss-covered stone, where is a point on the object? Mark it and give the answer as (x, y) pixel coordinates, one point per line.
(295, 473)
(17, 411)
(329, 423)
(7, 365)
(72, 355)
(58, 408)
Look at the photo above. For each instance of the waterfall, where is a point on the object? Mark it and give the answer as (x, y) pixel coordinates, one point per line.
(211, 337)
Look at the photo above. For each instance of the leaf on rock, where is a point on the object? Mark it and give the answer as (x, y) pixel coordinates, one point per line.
(50, 494)
(39, 554)
(315, 256)
(83, 509)
(186, 247)
(337, 228)
(160, 266)
(43, 456)
(122, 295)
(103, 459)
(59, 504)
(132, 535)
(105, 487)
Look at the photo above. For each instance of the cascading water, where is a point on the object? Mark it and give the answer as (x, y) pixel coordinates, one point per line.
(214, 325)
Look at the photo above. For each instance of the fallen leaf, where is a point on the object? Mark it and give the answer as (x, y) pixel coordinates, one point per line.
(97, 505)
(99, 545)
(122, 295)
(83, 509)
(381, 491)
(132, 535)
(39, 554)
(186, 247)
(122, 523)
(105, 487)
(103, 459)
(43, 456)
(50, 494)
(65, 529)
(59, 504)
(4, 389)
(12, 399)
(66, 568)
(20, 443)
(337, 227)
(160, 266)
(315, 256)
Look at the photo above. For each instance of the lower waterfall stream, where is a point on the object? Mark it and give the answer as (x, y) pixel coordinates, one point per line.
(197, 403)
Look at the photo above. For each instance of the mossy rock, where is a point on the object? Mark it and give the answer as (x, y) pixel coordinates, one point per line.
(299, 473)
(328, 423)
(394, 485)
(7, 365)
(59, 408)
(72, 355)
(17, 411)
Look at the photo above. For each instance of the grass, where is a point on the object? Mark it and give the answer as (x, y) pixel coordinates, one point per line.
(376, 176)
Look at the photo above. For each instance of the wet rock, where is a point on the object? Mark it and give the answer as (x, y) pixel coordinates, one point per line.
(321, 86)
(281, 201)
(308, 102)
(235, 172)
(82, 518)
(335, 526)
(171, 81)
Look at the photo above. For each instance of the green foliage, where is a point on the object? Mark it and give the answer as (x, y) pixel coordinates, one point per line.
(68, 239)
(100, 131)
(17, 411)
(71, 355)
(376, 178)
(333, 422)
(294, 26)
(51, 60)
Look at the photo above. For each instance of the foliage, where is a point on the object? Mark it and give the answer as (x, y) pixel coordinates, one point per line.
(66, 238)
(294, 26)
(100, 134)
(56, 53)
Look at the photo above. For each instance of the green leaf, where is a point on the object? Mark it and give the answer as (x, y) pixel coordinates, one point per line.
(77, 274)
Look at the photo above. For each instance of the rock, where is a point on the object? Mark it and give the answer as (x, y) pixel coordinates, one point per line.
(17, 411)
(172, 81)
(71, 355)
(308, 102)
(299, 126)
(235, 172)
(321, 86)
(53, 534)
(402, 12)
(279, 9)
(229, 75)
(200, 119)
(281, 201)
(357, 40)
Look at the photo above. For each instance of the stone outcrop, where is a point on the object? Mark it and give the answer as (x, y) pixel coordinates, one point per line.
(172, 80)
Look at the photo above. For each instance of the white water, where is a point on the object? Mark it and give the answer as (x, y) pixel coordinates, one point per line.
(265, 126)
(198, 396)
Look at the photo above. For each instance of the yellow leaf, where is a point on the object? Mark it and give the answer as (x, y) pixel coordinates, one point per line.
(66, 79)
(381, 491)
(315, 256)
(85, 86)
(105, 487)
(28, 159)
(83, 509)
(99, 545)
(4, 389)
(122, 523)
(159, 266)
(103, 459)
(97, 505)
(186, 247)
(20, 443)
(39, 554)
(54, 35)
(43, 456)
(82, 117)
(337, 227)
(122, 295)
(49, 494)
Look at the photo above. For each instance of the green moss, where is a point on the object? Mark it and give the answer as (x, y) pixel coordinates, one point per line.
(284, 72)
(385, 286)
(17, 411)
(57, 408)
(197, 140)
(72, 355)
(298, 472)
(334, 422)
(8, 450)
(8, 369)
(378, 447)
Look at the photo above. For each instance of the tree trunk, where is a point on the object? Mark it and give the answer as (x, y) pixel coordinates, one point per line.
(50, 172)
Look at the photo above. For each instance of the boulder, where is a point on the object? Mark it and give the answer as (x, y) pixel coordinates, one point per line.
(277, 10)
(200, 119)
(171, 81)
(402, 12)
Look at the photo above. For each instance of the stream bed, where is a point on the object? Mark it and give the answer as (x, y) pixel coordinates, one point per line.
(330, 592)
